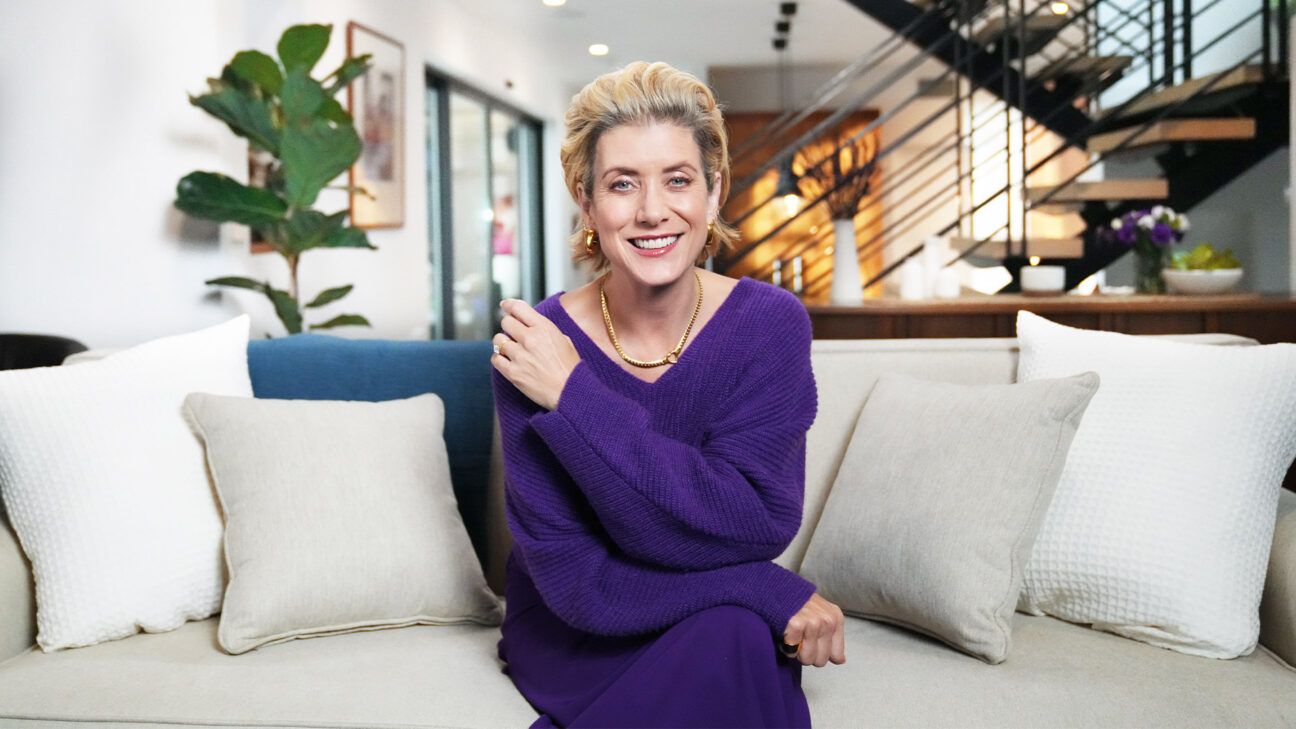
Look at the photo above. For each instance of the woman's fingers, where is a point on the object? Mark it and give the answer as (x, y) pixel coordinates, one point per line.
(839, 642)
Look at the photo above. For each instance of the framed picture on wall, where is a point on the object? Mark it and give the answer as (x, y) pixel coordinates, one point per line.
(376, 101)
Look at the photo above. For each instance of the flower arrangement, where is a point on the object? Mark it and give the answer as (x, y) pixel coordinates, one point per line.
(1150, 233)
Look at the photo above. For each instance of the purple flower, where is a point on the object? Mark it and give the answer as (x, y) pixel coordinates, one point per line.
(1162, 234)
(1127, 233)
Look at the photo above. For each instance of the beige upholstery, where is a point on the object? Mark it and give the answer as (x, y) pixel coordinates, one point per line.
(444, 675)
(1058, 675)
(448, 676)
(1278, 606)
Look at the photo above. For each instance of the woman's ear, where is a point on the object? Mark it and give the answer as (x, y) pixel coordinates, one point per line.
(713, 197)
(584, 203)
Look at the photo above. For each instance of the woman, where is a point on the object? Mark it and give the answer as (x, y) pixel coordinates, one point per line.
(647, 497)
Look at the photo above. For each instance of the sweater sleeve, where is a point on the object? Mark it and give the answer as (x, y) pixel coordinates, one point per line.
(736, 497)
(581, 574)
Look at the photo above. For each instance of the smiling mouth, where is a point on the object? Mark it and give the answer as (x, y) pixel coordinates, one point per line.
(653, 242)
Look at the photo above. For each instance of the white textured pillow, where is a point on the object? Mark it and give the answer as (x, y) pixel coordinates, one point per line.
(339, 516)
(104, 484)
(1162, 522)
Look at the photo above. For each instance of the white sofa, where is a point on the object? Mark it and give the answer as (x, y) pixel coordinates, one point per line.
(1057, 674)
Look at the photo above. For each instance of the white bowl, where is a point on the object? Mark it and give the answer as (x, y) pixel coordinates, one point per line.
(1213, 281)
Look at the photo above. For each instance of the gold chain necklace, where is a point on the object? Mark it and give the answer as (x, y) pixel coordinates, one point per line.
(670, 358)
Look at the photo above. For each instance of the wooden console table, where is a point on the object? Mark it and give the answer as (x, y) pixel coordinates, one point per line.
(1266, 318)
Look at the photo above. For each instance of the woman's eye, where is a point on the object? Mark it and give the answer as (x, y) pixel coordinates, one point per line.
(618, 185)
(679, 181)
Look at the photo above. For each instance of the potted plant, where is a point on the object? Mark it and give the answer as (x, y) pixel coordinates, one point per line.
(1149, 233)
(305, 137)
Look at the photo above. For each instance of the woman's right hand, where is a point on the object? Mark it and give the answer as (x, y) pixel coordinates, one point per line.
(819, 629)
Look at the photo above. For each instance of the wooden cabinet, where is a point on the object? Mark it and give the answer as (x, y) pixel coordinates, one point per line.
(1265, 318)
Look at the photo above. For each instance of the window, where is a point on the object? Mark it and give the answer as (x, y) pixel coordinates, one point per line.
(484, 209)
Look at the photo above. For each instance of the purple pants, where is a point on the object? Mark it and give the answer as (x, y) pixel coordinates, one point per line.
(716, 668)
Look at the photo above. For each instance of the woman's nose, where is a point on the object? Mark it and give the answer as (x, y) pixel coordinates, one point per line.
(652, 209)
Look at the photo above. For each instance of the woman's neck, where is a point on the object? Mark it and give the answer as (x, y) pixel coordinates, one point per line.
(651, 315)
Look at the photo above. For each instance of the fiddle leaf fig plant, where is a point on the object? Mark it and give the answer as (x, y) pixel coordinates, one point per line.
(294, 122)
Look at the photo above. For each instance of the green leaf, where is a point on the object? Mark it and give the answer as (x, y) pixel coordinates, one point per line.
(257, 68)
(214, 196)
(308, 229)
(302, 45)
(313, 155)
(350, 70)
(238, 282)
(343, 320)
(286, 307)
(246, 116)
(334, 112)
(328, 296)
(300, 98)
(349, 238)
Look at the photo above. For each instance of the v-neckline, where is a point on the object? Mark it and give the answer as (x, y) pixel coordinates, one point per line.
(593, 351)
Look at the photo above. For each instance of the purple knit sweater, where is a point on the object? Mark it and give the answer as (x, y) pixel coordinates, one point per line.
(635, 504)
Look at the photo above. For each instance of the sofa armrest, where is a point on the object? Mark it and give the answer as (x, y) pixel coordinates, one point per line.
(17, 595)
(1278, 606)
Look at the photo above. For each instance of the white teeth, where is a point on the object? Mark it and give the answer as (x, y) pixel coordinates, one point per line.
(653, 243)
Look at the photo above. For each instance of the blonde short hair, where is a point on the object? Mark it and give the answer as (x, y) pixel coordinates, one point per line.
(638, 94)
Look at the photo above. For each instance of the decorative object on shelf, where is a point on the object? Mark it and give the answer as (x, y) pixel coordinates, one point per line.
(1203, 270)
(1040, 280)
(377, 103)
(925, 276)
(294, 119)
(840, 167)
(1150, 233)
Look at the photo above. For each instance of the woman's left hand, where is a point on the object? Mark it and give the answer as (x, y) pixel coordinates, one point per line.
(534, 354)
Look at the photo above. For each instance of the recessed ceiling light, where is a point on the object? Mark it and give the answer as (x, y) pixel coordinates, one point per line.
(555, 3)
(598, 49)
(1060, 8)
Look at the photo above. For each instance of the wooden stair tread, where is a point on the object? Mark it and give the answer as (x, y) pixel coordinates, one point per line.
(1174, 130)
(1136, 189)
(1240, 76)
(1042, 247)
(1036, 25)
(1083, 66)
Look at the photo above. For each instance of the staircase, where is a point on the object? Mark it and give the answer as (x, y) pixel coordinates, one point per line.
(1016, 149)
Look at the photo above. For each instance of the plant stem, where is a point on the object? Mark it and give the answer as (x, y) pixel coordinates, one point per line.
(292, 276)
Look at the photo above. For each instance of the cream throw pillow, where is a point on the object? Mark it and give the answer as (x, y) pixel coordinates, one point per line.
(932, 515)
(104, 484)
(1164, 516)
(339, 516)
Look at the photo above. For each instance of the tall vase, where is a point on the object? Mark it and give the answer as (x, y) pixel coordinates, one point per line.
(1147, 270)
(847, 286)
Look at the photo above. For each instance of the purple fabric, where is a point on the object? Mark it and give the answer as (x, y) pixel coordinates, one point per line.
(645, 516)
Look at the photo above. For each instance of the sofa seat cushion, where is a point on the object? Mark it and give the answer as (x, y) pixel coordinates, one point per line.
(418, 676)
(1059, 675)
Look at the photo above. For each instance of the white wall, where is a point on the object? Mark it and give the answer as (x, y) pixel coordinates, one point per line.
(96, 129)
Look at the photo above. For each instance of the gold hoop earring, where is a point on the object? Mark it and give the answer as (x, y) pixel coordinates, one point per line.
(590, 237)
(710, 240)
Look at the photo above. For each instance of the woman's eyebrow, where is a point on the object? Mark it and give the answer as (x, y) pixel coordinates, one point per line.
(633, 172)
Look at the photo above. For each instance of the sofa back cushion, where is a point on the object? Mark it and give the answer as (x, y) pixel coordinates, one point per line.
(320, 367)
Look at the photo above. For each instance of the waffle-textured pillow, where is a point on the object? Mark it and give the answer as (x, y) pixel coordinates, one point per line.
(937, 502)
(1163, 519)
(339, 516)
(104, 484)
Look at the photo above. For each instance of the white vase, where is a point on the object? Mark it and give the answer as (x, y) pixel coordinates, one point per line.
(847, 286)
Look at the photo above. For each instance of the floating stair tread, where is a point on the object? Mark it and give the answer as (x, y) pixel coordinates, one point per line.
(1042, 247)
(1241, 76)
(1084, 66)
(1174, 130)
(1136, 189)
(1036, 25)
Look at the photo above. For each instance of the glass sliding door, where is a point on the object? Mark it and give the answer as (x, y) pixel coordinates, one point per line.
(484, 208)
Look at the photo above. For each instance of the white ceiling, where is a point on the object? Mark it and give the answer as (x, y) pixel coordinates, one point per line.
(691, 34)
